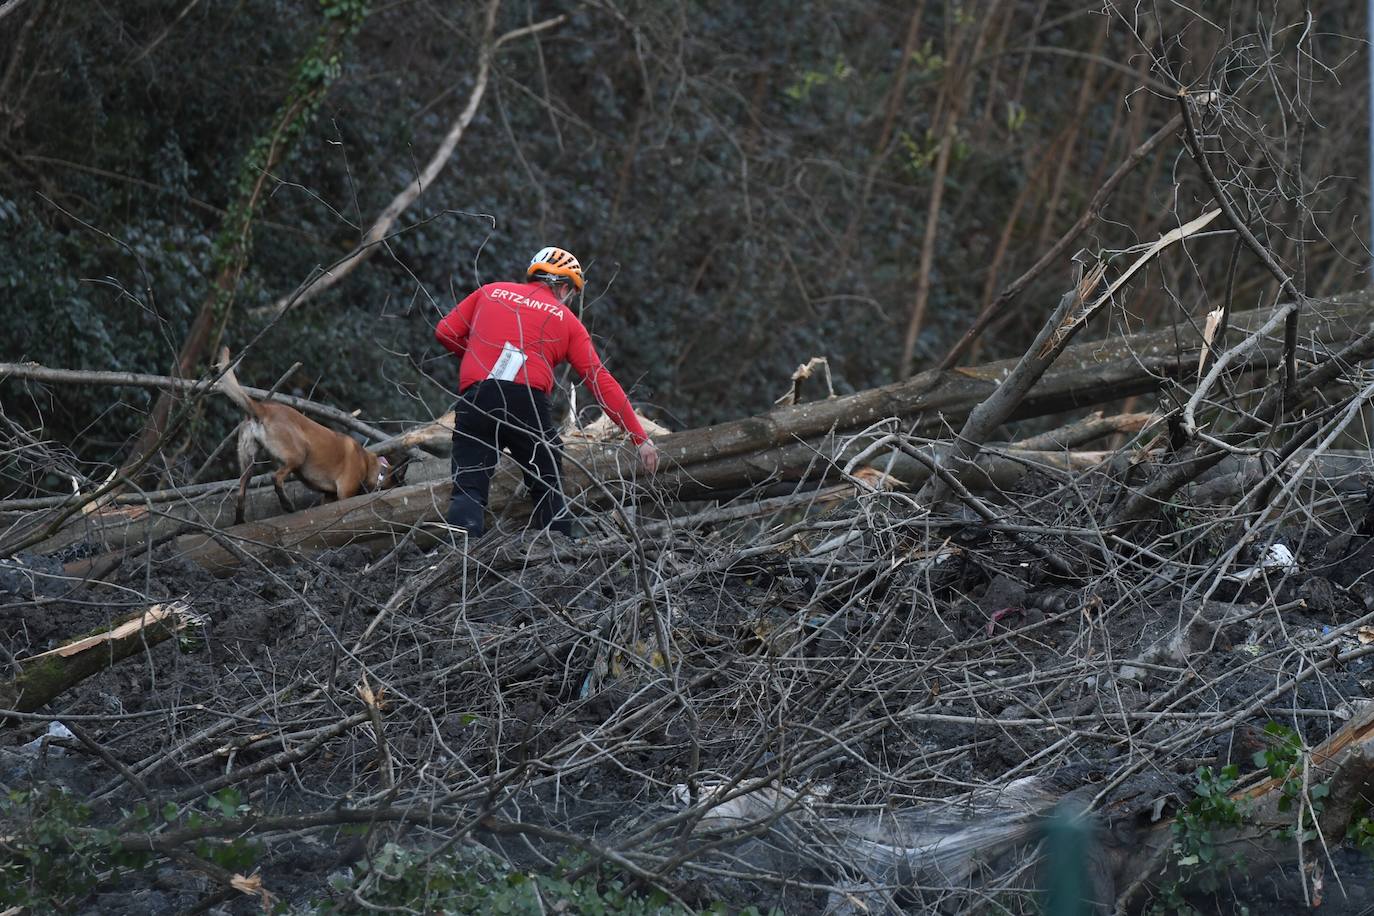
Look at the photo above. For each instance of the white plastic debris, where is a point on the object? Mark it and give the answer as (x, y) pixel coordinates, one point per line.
(55, 730)
(1277, 559)
(764, 801)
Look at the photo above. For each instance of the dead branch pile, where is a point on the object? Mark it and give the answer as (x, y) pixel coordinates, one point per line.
(832, 700)
(864, 684)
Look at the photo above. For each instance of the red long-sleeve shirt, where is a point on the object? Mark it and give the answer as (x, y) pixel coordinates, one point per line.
(529, 317)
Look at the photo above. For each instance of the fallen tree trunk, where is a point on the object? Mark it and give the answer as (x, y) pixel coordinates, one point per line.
(603, 474)
(45, 676)
(597, 476)
(781, 443)
(600, 475)
(384, 514)
(1085, 375)
(800, 441)
(390, 514)
(1088, 429)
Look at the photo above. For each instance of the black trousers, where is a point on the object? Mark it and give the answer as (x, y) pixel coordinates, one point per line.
(495, 415)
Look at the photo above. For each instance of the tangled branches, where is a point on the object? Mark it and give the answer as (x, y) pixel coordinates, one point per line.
(726, 709)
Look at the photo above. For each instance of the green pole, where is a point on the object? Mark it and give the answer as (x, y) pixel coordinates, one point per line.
(1067, 838)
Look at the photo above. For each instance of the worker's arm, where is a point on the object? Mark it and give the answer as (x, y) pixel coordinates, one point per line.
(453, 330)
(598, 378)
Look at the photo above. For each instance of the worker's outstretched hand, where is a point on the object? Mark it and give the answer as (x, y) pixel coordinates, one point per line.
(648, 456)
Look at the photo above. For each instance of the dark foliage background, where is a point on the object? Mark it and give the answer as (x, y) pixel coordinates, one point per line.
(747, 183)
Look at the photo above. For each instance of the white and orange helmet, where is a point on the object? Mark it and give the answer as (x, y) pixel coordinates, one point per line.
(556, 261)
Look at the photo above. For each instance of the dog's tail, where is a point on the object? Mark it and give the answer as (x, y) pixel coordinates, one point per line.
(229, 385)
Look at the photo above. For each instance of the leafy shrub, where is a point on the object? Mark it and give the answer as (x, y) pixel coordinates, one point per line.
(51, 856)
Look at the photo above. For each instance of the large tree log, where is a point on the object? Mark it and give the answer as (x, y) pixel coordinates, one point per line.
(797, 441)
(1085, 375)
(597, 475)
(384, 514)
(382, 518)
(131, 524)
(1075, 311)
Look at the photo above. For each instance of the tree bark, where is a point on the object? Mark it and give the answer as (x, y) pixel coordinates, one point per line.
(132, 525)
(1084, 375)
(1088, 429)
(383, 518)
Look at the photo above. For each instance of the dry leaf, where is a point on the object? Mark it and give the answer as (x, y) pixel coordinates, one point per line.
(1209, 333)
(1365, 635)
(249, 884)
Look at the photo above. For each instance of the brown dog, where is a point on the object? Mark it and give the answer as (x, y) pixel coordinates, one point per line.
(322, 459)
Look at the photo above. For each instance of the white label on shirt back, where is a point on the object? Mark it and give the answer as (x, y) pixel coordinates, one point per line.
(509, 363)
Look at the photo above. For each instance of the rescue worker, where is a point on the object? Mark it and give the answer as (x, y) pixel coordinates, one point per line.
(510, 337)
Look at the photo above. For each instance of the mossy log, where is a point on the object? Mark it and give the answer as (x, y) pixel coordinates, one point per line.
(47, 675)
